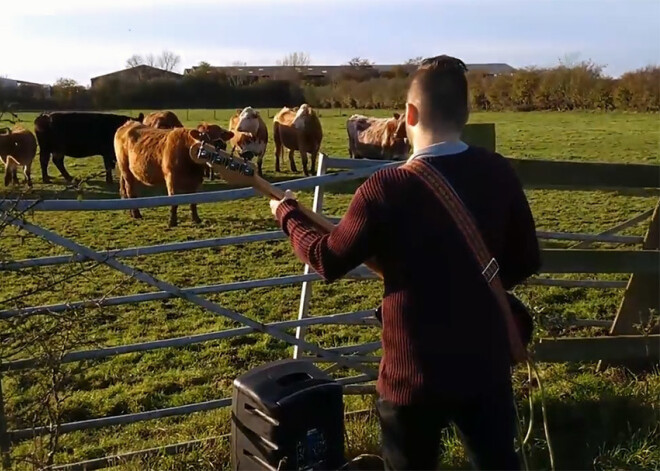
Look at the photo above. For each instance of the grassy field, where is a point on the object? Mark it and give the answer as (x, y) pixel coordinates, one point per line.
(597, 420)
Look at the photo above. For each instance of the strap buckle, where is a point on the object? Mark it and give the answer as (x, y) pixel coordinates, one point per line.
(491, 270)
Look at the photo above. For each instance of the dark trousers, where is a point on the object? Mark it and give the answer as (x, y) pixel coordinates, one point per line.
(486, 423)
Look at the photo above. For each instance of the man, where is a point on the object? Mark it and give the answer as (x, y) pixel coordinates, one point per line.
(445, 347)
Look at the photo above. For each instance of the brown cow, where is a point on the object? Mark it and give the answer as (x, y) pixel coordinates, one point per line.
(158, 157)
(250, 134)
(377, 138)
(162, 120)
(17, 149)
(297, 129)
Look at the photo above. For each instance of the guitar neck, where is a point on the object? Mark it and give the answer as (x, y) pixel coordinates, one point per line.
(237, 171)
(265, 188)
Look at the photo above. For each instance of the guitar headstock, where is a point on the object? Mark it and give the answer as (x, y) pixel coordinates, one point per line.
(233, 169)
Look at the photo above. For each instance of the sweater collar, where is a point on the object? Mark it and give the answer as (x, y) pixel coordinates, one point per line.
(440, 149)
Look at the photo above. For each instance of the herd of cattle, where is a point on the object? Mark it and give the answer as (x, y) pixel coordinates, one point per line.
(154, 150)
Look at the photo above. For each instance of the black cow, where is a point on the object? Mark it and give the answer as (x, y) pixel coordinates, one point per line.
(77, 134)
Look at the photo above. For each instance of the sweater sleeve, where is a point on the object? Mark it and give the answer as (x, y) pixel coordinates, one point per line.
(522, 257)
(331, 255)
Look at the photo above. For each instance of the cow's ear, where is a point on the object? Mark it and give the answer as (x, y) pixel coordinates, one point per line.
(226, 135)
(396, 116)
(141, 117)
(195, 134)
(238, 111)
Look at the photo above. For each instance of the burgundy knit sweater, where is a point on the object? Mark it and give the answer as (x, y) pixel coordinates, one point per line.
(442, 331)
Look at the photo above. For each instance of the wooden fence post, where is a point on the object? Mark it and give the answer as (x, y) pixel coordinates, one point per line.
(643, 290)
(642, 293)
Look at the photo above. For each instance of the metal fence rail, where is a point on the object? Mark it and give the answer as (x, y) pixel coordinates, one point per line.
(353, 357)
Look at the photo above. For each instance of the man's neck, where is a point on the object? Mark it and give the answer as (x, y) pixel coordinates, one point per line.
(430, 138)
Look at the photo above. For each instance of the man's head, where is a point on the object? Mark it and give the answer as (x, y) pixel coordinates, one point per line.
(437, 102)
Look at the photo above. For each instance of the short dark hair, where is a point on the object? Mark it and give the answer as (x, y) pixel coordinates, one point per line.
(441, 86)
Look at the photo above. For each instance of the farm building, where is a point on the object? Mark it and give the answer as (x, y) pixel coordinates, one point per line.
(329, 72)
(11, 84)
(140, 73)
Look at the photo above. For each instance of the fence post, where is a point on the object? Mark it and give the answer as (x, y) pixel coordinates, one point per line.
(642, 293)
(215, 116)
(305, 294)
(643, 290)
(4, 437)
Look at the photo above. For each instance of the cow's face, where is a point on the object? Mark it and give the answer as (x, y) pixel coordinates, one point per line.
(397, 138)
(248, 120)
(214, 134)
(302, 115)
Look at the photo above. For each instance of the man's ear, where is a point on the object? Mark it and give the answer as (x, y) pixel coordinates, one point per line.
(412, 114)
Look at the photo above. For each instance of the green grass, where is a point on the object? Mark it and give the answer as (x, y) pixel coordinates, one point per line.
(597, 420)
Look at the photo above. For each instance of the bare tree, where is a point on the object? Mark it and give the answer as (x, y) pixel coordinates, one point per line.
(295, 59)
(134, 61)
(151, 60)
(414, 60)
(359, 62)
(168, 61)
(65, 83)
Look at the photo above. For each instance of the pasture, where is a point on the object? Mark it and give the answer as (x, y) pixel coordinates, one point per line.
(603, 420)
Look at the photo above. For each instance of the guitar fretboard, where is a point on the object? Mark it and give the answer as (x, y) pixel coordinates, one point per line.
(227, 162)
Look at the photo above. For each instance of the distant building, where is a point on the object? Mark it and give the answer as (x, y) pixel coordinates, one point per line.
(139, 73)
(316, 72)
(23, 86)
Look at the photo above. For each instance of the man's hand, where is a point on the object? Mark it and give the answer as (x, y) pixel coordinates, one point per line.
(274, 204)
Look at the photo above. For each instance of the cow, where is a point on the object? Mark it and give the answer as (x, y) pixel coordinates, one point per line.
(77, 134)
(158, 157)
(377, 138)
(250, 134)
(17, 149)
(162, 120)
(215, 135)
(297, 129)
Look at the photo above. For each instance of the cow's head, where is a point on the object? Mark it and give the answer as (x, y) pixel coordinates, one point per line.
(395, 138)
(248, 120)
(303, 114)
(213, 134)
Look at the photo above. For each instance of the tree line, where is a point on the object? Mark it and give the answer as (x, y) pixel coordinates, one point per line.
(577, 86)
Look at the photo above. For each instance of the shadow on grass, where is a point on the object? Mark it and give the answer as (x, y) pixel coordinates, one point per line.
(610, 433)
(584, 434)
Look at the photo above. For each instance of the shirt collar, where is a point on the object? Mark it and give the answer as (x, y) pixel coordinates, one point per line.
(440, 149)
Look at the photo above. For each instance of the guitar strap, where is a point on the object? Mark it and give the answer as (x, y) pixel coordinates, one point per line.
(446, 195)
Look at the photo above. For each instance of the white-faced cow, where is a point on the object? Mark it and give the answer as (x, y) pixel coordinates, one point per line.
(377, 138)
(250, 134)
(297, 129)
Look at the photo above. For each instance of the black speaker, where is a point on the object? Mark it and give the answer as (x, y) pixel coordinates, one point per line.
(287, 415)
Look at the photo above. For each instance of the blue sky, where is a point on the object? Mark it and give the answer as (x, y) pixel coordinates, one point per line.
(84, 38)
